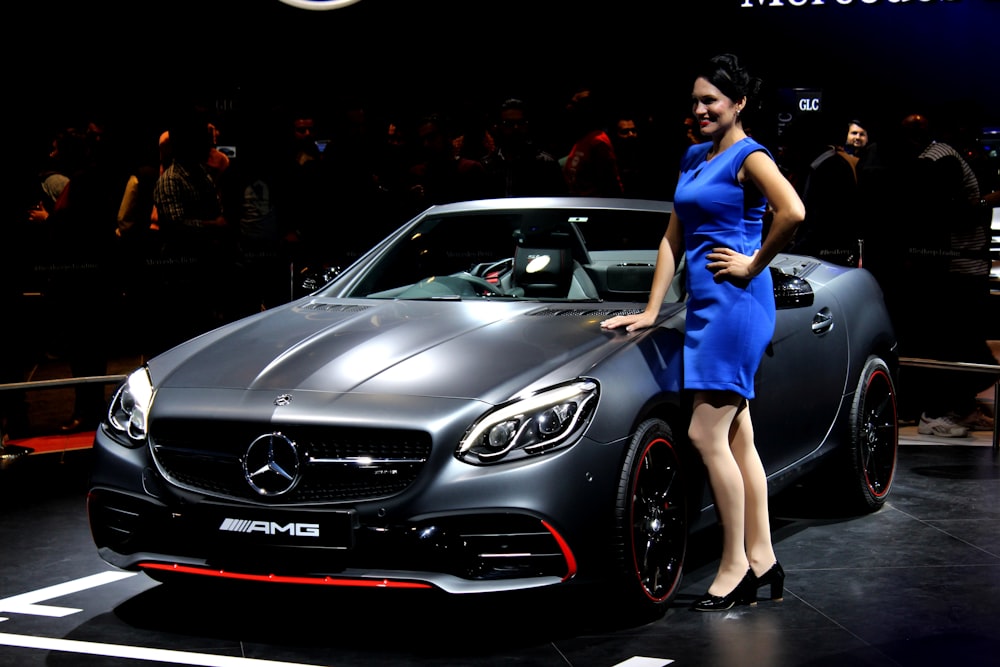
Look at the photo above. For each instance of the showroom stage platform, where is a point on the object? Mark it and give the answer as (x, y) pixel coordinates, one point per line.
(915, 584)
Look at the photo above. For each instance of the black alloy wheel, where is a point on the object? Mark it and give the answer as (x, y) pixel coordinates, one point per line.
(874, 436)
(652, 518)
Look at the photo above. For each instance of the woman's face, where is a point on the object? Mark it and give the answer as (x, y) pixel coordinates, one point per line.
(714, 112)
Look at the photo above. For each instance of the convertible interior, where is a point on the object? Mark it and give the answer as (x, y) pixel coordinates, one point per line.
(554, 254)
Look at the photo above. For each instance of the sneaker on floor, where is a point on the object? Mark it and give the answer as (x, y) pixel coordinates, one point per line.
(977, 420)
(943, 427)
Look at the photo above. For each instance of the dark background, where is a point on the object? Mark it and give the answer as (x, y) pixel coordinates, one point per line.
(129, 65)
(132, 61)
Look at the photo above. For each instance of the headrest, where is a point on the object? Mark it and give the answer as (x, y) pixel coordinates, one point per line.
(543, 272)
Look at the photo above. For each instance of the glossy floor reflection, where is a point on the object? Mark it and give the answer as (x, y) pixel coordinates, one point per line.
(915, 584)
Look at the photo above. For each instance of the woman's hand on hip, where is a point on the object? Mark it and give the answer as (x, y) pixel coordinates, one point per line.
(726, 263)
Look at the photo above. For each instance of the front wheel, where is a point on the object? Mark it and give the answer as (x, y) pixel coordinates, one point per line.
(874, 437)
(652, 518)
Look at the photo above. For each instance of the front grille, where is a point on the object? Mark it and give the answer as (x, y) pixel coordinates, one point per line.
(337, 464)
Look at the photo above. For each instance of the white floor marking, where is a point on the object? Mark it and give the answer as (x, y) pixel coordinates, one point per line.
(137, 653)
(26, 602)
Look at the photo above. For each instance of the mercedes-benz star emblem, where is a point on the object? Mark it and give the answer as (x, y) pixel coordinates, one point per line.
(271, 464)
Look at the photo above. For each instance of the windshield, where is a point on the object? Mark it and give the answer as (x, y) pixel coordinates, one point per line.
(557, 254)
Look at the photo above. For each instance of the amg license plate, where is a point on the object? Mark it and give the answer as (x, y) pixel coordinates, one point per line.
(300, 528)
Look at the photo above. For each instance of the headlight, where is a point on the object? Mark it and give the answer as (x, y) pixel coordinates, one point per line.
(130, 406)
(551, 419)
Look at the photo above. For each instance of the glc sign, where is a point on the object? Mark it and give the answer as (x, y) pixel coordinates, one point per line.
(809, 104)
(793, 102)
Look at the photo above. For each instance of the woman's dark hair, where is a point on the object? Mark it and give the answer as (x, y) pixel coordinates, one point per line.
(725, 73)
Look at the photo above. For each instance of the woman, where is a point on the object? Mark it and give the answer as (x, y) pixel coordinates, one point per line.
(724, 188)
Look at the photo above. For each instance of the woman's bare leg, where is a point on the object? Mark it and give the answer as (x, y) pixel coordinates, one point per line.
(759, 548)
(712, 421)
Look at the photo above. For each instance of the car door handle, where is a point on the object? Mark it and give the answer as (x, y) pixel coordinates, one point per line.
(822, 322)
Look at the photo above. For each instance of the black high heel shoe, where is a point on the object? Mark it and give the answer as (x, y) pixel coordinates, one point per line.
(775, 577)
(744, 593)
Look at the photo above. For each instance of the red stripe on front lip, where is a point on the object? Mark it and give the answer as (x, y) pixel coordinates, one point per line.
(280, 579)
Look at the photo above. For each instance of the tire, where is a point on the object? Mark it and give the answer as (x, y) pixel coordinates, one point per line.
(874, 438)
(652, 519)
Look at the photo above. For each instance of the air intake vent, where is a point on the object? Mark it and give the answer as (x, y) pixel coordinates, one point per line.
(336, 307)
(584, 312)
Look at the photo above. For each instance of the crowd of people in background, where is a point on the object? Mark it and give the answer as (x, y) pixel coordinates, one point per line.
(143, 241)
(915, 208)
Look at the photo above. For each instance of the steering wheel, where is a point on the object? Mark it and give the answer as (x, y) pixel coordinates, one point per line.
(497, 268)
(479, 286)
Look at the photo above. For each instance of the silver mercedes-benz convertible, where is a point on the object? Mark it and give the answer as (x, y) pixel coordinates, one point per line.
(447, 413)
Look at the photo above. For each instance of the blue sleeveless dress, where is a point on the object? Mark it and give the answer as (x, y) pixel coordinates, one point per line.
(729, 323)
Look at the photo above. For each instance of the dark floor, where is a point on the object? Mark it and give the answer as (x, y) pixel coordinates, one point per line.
(915, 584)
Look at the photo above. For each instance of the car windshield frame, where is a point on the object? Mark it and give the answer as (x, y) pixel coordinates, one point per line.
(497, 254)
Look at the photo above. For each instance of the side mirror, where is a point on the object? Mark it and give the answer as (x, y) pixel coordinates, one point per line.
(791, 291)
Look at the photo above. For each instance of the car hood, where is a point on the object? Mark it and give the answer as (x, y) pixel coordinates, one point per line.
(486, 350)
